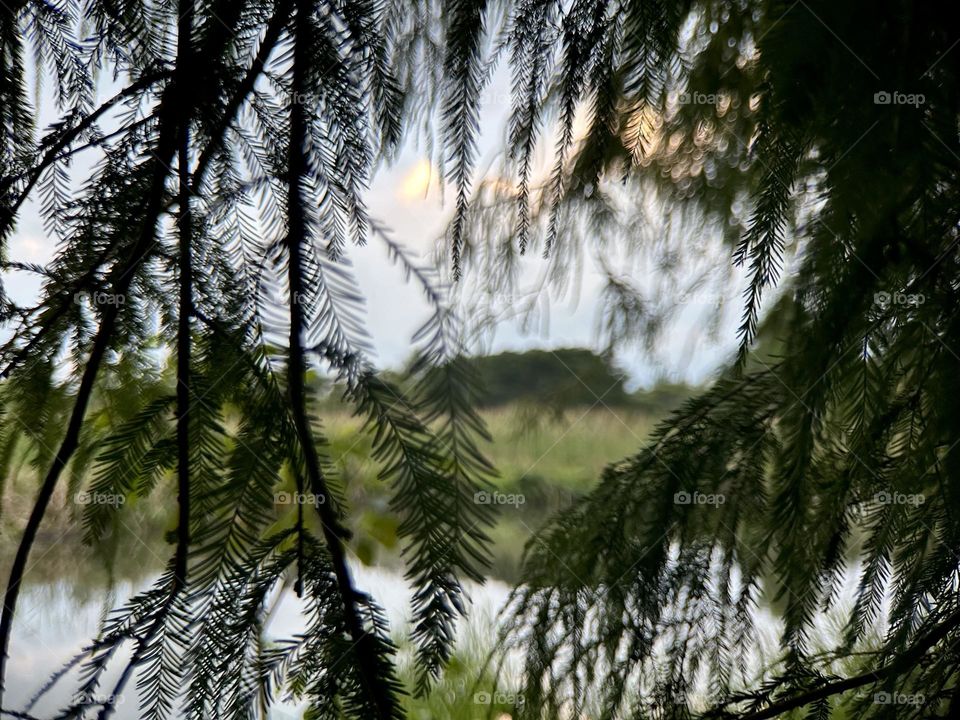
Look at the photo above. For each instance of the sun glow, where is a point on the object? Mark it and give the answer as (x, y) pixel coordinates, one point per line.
(416, 183)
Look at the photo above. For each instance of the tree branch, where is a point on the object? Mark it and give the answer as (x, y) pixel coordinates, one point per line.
(899, 665)
(122, 276)
(58, 144)
(374, 685)
(184, 340)
(121, 279)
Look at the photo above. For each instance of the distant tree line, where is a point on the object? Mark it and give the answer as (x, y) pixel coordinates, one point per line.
(568, 377)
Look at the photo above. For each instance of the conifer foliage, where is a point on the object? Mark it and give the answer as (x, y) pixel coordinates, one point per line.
(818, 473)
(815, 477)
(229, 168)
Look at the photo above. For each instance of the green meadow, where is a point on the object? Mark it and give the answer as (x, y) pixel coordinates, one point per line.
(555, 419)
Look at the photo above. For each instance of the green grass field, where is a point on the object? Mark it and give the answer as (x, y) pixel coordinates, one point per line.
(566, 450)
(544, 459)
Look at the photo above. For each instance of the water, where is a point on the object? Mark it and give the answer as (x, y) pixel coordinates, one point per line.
(67, 594)
(56, 618)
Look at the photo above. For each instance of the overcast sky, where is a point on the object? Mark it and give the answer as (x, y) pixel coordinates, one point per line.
(407, 198)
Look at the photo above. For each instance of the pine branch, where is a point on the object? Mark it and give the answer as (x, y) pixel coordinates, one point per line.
(903, 663)
(121, 278)
(58, 140)
(215, 41)
(185, 59)
(464, 81)
(762, 244)
(364, 648)
(271, 37)
(143, 650)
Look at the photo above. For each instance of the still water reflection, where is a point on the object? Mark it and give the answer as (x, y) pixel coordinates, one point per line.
(56, 617)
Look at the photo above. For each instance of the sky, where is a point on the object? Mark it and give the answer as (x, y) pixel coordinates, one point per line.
(409, 198)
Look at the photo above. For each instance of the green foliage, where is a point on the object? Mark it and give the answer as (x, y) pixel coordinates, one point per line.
(281, 125)
(828, 438)
(560, 378)
(827, 154)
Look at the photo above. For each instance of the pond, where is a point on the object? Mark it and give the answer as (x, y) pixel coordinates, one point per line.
(56, 618)
(67, 594)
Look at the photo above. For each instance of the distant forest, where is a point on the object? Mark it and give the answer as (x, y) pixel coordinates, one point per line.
(555, 380)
